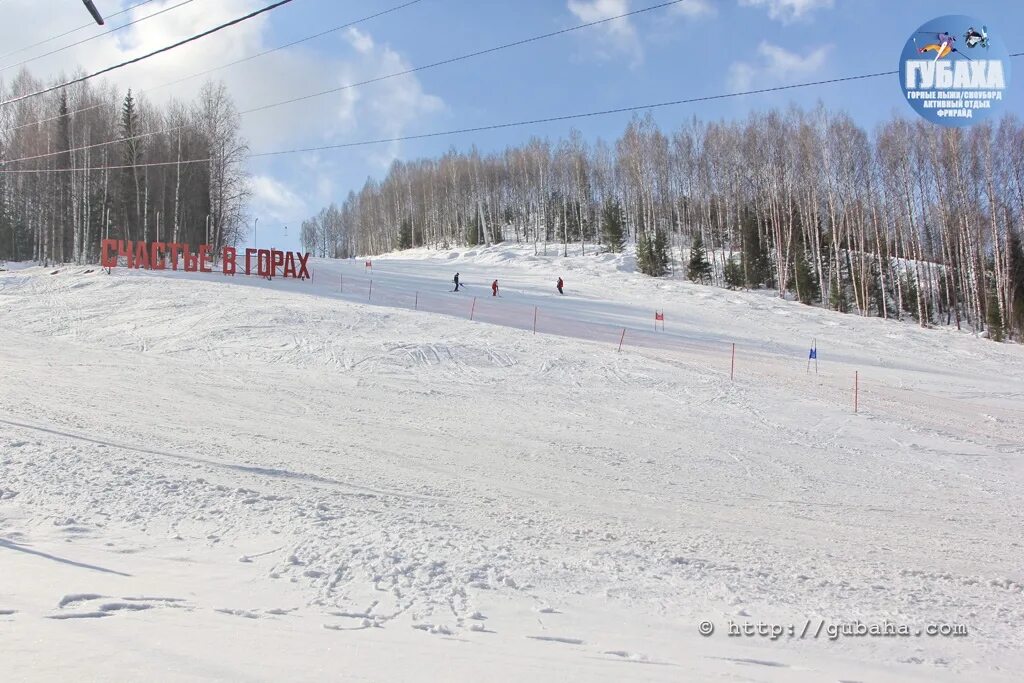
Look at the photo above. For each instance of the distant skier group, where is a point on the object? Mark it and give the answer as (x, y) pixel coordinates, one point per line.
(494, 285)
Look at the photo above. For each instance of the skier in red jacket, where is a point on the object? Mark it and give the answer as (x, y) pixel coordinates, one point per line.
(494, 288)
(560, 285)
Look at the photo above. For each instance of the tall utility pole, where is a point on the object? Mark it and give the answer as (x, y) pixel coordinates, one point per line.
(93, 11)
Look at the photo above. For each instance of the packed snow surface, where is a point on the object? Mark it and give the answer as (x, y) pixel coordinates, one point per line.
(215, 478)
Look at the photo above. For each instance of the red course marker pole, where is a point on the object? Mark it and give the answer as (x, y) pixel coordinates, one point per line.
(621, 338)
(732, 368)
(472, 310)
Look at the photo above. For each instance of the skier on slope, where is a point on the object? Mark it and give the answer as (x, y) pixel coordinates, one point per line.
(494, 288)
(560, 284)
(456, 282)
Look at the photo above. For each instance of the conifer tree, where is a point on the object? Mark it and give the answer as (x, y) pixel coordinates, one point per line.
(1015, 280)
(698, 269)
(612, 226)
(993, 320)
(659, 254)
(734, 272)
(756, 262)
(405, 234)
(802, 279)
(644, 254)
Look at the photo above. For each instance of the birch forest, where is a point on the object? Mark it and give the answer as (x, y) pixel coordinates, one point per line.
(907, 221)
(89, 162)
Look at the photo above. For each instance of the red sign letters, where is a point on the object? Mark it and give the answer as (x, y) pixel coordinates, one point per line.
(156, 256)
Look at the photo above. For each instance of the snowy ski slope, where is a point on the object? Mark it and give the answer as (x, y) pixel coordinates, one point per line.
(207, 478)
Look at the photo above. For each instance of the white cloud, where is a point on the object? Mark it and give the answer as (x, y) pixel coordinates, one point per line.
(282, 186)
(273, 198)
(741, 76)
(621, 36)
(362, 42)
(694, 9)
(789, 10)
(777, 65)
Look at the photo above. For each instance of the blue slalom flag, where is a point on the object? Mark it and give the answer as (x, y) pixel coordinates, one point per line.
(814, 354)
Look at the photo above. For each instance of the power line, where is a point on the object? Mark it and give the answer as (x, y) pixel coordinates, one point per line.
(498, 126)
(229, 64)
(287, 45)
(568, 117)
(151, 54)
(74, 30)
(377, 79)
(98, 35)
(469, 55)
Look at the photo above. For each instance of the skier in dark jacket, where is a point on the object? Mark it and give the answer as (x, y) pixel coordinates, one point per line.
(560, 285)
(456, 282)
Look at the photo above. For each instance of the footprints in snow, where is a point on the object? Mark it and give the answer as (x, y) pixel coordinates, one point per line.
(256, 613)
(99, 606)
(96, 606)
(558, 639)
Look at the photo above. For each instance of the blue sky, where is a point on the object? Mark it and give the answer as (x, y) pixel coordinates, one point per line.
(697, 48)
(667, 54)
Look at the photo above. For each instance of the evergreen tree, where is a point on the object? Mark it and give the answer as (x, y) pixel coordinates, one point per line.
(756, 262)
(659, 254)
(910, 294)
(802, 279)
(1015, 277)
(698, 270)
(993, 319)
(734, 273)
(66, 205)
(131, 196)
(405, 234)
(837, 300)
(612, 228)
(472, 229)
(643, 253)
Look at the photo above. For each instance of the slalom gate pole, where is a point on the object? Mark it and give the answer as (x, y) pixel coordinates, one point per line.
(621, 338)
(732, 368)
(416, 306)
(370, 295)
(535, 320)
(856, 391)
(343, 283)
(473, 309)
